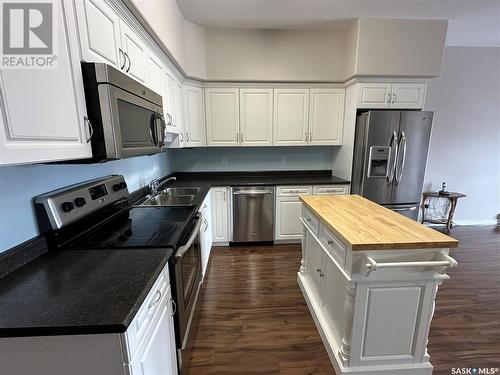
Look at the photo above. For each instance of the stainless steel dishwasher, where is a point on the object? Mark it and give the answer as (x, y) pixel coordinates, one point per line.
(253, 213)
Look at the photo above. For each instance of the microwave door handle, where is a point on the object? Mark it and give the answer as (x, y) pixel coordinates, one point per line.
(161, 130)
(182, 250)
(152, 129)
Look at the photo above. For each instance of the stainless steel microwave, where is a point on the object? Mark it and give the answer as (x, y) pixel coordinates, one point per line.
(125, 117)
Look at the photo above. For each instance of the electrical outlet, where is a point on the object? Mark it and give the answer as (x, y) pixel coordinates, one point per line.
(224, 160)
(156, 166)
(283, 160)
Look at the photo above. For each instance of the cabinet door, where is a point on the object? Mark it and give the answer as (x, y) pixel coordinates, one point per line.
(136, 53)
(288, 225)
(326, 116)
(222, 116)
(220, 214)
(374, 95)
(156, 77)
(157, 354)
(170, 101)
(291, 109)
(193, 117)
(99, 33)
(36, 127)
(332, 295)
(313, 266)
(408, 95)
(256, 117)
(206, 233)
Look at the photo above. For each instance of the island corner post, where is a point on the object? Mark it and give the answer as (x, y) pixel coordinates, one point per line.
(370, 277)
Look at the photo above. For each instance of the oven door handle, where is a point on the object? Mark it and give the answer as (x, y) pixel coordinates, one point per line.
(182, 250)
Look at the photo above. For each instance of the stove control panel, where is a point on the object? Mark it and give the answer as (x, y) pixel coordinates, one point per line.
(61, 207)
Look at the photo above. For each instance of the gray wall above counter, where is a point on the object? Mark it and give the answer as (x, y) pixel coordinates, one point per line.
(252, 159)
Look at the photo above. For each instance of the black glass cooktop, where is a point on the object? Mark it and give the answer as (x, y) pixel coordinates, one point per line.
(137, 227)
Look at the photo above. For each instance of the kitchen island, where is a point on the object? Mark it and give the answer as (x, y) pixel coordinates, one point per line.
(370, 277)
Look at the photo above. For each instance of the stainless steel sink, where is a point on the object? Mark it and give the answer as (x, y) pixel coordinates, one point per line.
(180, 191)
(169, 200)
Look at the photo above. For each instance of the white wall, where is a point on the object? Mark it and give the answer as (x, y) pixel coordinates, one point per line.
(275, 55)
(465, 142)
(184, 40)
(393, 47)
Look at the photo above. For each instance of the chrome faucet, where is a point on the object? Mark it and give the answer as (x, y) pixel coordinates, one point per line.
(155, 185)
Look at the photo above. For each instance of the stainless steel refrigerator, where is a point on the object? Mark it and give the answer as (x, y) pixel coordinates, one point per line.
(390, 154)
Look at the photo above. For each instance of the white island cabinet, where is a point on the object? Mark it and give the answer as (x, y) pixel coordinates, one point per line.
(371, 287)
(146, 348)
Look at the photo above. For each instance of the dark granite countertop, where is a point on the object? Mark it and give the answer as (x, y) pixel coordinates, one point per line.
(257, 178)
(78, 291)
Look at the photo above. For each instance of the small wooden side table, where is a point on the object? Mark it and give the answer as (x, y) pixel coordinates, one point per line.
(452, 197)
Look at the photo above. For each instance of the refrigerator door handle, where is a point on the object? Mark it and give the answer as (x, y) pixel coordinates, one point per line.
(402, 145)
(392, 169)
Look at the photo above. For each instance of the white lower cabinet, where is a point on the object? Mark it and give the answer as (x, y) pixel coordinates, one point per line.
(205, 232)
(289, 208)
(220, 214)
(147, 347)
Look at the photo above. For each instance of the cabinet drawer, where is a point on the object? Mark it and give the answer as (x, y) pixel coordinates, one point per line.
(329, 189)
(142, 320)
(334, 246)
(311, 221)
(293, 191)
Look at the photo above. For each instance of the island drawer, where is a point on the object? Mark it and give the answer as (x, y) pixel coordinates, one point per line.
(293, 191)
(334, 246)
(330, 189)
(142, 320)
(311, 221)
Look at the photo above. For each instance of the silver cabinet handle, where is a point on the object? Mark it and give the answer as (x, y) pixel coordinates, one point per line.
(310, 136)
(121, 56)
(393, 97)
(181, 136)
(187, 137)
(241, 137)
(388, 97)
(237, 137)
(174, 309)
(206, 225)
(321, 275)
(170, 120)
(306, 137)
(91, 129)
(157, 299)
(330, 242)
(308, 219)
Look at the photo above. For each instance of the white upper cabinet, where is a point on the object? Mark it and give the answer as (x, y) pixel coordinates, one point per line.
(374, 95)
(99, 31)
(156, 76)
(291, 109)
(408, 95)
(391, 95)
(42, 111)
(326, 116)
(194, 130)
(136, 53)
(256, 117)
(222, 116)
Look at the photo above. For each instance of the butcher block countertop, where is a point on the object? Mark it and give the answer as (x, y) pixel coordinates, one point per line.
(365, 225)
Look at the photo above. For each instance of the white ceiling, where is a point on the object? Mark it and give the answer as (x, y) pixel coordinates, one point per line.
(472, 22)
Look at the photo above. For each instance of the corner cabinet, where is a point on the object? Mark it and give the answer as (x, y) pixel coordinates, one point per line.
(36, 127)
(391, 95)
(147, 347)
(194, 129)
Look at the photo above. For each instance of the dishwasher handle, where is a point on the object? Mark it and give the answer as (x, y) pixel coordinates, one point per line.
(252, 192)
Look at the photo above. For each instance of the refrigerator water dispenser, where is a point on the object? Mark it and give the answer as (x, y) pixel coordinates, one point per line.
(378, 161)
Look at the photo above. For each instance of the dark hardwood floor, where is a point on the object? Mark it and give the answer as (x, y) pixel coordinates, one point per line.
(254, 319)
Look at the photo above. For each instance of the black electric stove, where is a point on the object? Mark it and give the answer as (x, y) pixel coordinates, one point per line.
(136, 227)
